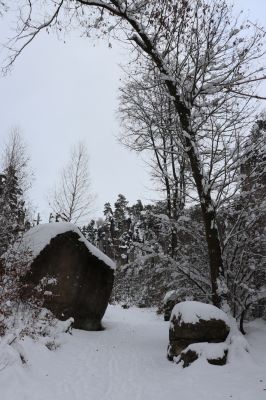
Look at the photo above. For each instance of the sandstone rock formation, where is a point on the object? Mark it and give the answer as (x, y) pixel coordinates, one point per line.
(83, 274)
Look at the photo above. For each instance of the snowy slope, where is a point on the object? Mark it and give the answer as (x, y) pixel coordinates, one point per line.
(127, 361)
(37, 238)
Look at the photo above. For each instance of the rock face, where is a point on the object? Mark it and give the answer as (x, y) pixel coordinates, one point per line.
(194, 322)
(84, 276)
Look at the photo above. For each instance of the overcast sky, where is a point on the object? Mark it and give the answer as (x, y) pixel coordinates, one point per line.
(59, 94)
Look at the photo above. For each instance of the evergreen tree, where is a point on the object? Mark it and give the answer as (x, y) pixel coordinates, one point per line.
(107, 212)
(120, 211)
(136, 209)
(90, 232)
(12, 208)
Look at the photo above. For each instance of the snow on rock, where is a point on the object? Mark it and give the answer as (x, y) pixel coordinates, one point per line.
(193, 322)
(191, 312)
(169, 295)
(170, 299)
(210, 351)
(37, 238)
(213, 353)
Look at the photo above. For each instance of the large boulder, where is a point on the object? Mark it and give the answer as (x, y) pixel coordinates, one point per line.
(194, 322)
(83, 275)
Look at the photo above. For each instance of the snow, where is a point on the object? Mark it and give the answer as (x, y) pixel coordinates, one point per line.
(37, 238)
(190, 312)
(128, 361)
(168, 295)
(209, 351)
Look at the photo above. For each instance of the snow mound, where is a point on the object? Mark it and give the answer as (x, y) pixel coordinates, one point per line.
(209, 351)
(8, 356)
(190, 312)
(37, 238)
(239, 349)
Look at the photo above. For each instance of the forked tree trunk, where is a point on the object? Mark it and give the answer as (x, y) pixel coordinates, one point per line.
(208, 212)
(143, 40)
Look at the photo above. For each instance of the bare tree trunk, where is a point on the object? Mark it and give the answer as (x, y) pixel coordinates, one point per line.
(151, 24)
(211, 230)
(207, 209)
(241, 322)
(214, 250)
(188, 137)
(242, 318)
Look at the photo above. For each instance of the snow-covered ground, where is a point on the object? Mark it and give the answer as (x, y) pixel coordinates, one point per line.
(127, 361)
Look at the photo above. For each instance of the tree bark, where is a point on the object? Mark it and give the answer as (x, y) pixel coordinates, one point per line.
(144, 42)
(208, 211)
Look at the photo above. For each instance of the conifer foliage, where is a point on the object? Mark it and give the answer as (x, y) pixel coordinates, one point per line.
(20, 304)
(12, 183)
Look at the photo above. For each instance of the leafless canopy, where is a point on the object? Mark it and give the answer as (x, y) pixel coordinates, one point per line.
(207, 59)
(72, 198)
(15, 156)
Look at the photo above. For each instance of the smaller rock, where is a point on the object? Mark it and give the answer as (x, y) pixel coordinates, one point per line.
(171, 298)
(194, 322)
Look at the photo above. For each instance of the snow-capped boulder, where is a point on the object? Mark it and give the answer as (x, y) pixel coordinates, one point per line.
(79, 276)
(171, 298)
(194, 322)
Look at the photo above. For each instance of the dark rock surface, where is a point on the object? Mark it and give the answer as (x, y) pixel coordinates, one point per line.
(84, 282)
(188, 356)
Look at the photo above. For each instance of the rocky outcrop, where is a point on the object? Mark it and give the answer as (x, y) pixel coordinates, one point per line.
(83, 275)
(194, 322)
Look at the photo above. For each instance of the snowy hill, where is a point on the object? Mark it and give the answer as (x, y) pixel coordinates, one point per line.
(128, 361)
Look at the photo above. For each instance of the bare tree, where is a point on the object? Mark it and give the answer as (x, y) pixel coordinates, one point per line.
(15, 156)
(72, 198)
(3, 8)
(150, 125)
(203, 55)
(244, 237)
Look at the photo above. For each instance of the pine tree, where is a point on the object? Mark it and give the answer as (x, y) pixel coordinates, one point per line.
(12, 208)
(120, 212)
(136, 209)
(107, 212)
(90, 232)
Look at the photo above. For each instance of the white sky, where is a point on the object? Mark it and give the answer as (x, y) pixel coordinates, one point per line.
(61, 93)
